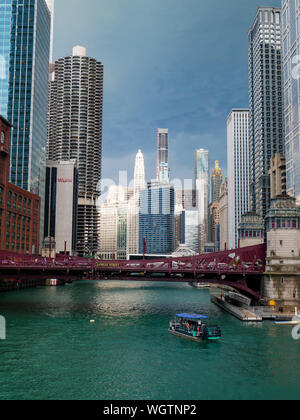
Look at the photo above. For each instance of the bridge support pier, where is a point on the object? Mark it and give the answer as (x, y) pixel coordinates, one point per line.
(281, 282)
(282, 285)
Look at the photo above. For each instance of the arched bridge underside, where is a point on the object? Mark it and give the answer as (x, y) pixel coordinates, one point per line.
(241, 269)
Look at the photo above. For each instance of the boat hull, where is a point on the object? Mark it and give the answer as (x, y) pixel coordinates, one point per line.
(186, 336)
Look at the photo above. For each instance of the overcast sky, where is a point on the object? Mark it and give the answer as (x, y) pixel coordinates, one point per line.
(176, 64)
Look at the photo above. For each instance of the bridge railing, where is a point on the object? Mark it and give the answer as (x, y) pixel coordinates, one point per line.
(244, 260)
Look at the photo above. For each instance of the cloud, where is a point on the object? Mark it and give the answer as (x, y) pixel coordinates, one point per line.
(176, 64)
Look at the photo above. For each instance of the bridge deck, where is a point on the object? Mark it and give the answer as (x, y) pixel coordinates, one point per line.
(228, 266)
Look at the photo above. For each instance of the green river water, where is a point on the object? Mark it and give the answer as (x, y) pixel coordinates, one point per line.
(52, 351)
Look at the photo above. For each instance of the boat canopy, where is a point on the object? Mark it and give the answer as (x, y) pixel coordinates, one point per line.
(191, 316)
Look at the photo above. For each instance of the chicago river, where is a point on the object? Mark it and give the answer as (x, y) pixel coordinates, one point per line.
(53, 351)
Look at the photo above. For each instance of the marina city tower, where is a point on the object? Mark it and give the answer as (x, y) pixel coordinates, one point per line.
(75, 132)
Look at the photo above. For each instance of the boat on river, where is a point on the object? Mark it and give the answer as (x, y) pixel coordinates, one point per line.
(192, 327)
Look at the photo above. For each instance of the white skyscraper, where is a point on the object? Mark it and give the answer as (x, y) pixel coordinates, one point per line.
(291, 72)
(50, 4)
(238, 151)
(133, 206)
(201, 167)
(139, 173)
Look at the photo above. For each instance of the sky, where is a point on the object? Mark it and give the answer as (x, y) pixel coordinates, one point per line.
(176, 64)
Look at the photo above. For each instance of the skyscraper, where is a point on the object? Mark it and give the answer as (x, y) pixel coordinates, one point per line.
(291, 65)
(238, 171)
(25, 28)
(266, 102)
(133, 205)
(189, 229)
(214, 207)
(156, 219)
(24, 62)
(75, 132)
(61, 204)
(50, 4)
(201, 170)
(162, 169)
(224, 215)
(216, 182)
(139, 173)
(113, 224)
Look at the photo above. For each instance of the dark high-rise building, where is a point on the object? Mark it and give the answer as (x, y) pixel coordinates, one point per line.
(75, 133)
(266, 102)
(162, 170)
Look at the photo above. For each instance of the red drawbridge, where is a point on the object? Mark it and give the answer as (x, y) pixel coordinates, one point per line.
(242, 268)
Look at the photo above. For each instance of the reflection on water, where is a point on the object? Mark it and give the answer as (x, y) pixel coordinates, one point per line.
(129, 354)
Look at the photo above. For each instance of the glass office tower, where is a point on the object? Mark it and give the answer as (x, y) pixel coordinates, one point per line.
(291, 71)
(201, 167)
(189, 229)
(25, 27)
(5, 24)
(24, 57)
(156, 219)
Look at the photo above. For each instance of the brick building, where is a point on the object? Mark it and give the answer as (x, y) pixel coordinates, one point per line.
(19, 209)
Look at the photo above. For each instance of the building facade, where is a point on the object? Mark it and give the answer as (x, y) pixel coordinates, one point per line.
(281, 283)
(61, 203)
(291, 76)
(238, 154)
(201, 176)
(162, 167)
(185, 198)
(277, 175)
(19, 209)
(215, 225)
(216, 181)
(224, 216)
(133, 206)
(214, 207)
(189, 229)
(75, 133)
(113, 229)
(156, 219)
(251, 230)
(266, 128)
(25, 38)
